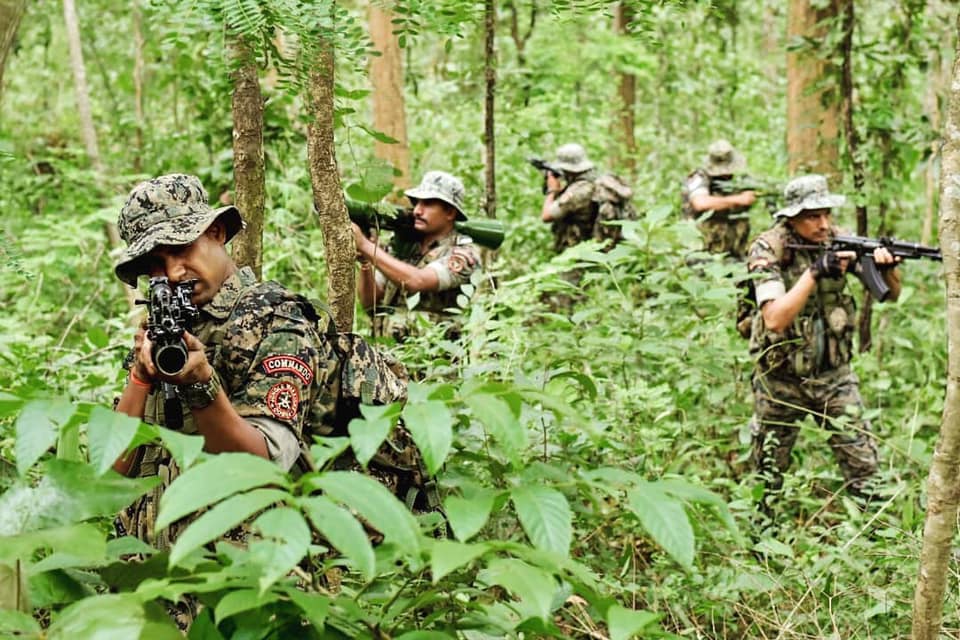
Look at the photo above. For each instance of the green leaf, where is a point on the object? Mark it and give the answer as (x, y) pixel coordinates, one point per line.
(84, 540)
(221, 519)
(468, 515)
(184, 448)
(313, 605)
(17, 624)
(447, 556)
(665, 520)
(425, 635)
(534, 587)
(343, 532)
(369, 432)
(86, 494)
(379, 136)
(327, 449)
(286, 540)
(626, 623)
(213, 480)
(501, 422)
(109, 433)
(376, 505)
(545, 516)
(37, 428)
(241, 600)
(431, 425)
(107, 617)
(686, 491)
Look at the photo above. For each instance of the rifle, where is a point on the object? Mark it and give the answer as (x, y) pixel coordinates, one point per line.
(171, 313)
(547, 169)
(766, 190)
(869, 273)
(383, 215)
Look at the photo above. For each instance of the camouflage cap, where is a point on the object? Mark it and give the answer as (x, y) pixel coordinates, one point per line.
(439, 185)
(808, 192)
(573, 158)
(169, 210)
(723, 160)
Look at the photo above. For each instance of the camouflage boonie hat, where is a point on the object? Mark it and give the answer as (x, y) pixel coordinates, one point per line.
(808, 192)
(439, 185)
(169, 210)
(573, 158)
(723, 160)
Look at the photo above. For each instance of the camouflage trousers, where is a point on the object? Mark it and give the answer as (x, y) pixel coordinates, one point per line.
(726, 235)
(781, 402)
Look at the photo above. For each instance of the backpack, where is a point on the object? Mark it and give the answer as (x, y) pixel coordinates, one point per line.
(611, 195)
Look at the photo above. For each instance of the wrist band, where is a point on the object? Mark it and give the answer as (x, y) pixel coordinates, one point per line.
(138, 382)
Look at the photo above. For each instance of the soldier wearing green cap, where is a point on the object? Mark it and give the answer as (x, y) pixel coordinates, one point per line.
(726, 227)
(802, 338)
(568, 204)
(435, 271)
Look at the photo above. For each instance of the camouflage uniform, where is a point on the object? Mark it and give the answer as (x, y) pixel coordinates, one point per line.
(574, 212)
(805, 370)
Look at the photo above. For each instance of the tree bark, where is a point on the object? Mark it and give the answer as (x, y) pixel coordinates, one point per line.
(943, 481)
(11, 11)
(248, 163)
(627, 151)
(389, 111)
(812, 112)
(328, 193)
(490, 74)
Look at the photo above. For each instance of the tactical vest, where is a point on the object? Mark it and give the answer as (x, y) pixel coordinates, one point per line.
(820, 338)
(577, 225)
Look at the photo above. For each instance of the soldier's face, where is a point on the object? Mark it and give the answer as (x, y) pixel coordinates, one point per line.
(205, 259)
(813, 225)
(433, 217)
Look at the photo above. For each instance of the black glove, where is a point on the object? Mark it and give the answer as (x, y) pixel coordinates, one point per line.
(826, 266)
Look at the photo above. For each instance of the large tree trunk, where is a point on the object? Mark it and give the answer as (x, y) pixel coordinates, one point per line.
(328, 194)
(248, 164)
(812, 102)
(627, 150)
(490, 74)
(389, 113)
(943, 481)
(11, 11)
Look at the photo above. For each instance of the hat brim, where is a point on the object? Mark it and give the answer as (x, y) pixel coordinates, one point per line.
(578, 167)
(174, 232)
(737, 164)
(418, 193)
(828, 201)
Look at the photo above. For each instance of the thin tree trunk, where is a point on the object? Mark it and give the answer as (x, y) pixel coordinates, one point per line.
(389, 112)
(936, 83)
(943, 481)
(812, 104)
(628, 100)
(11, 11)
(138, 64)
(328, 194)
(248, 163)
(490, 74)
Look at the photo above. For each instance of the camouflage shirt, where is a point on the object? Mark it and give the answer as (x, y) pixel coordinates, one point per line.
(820, 338)
(278, 371)
(574, 212)
(454, 258)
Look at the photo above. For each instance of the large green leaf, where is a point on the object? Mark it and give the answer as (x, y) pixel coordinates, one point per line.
(376, 505)
(627, 623)
(469, 514)
(109, 433)
(534, 587)
(286, 538)
(500, 421)
(342, 531)
(545, 516)
(222, 518)
(37, 428)
(110, 617)
(665, 520)
(213, 480)
(184, 448)
(241, 600)
(313, 605)
(369, 432)
(87, 494)
(17, 624)
(431, 425)
(82, 540)
(686, 491)
(448, 555)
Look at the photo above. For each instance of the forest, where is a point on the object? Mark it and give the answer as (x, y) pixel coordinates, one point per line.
(592, 459)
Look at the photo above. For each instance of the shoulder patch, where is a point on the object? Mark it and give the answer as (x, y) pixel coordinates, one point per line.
(275, 365)
(283, 400)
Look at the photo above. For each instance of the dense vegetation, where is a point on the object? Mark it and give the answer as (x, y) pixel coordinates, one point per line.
(593, 464)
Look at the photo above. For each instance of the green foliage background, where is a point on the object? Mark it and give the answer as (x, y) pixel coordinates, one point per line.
(586, 460)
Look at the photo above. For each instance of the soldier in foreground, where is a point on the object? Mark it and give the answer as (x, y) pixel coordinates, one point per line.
(436, 267)
(802, 338)
(727, 228)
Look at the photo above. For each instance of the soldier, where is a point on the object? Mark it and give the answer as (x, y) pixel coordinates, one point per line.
(568, 205)
(436, 268)
(727, 228)
(802, 338)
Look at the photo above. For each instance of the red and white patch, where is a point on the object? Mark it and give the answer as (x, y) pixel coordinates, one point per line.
(288, 364)
(283, 399)
(456, 263)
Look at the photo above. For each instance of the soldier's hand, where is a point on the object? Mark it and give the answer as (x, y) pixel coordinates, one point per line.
(142, 367)
(745, 198)
(831, 264)
(554, 184)
(359, 239)
(883, 257)
(197, 369)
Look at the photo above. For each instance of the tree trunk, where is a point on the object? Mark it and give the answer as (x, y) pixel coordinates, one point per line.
(490, 74)
(936, 84)
(943, 481)
(138, 64)
(248, 164)
(328, 194)
(11, 11)
(812, 112)
(389, 113)
(627, 151)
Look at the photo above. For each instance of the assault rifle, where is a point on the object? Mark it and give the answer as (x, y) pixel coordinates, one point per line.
(171, 313)
(383, 215)
(765, 190)
(547, 169)
(869, 274)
